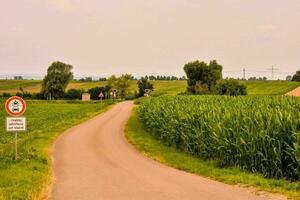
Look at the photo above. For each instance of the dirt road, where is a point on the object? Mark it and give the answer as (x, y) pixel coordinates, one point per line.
(295, 92)
(94, 161)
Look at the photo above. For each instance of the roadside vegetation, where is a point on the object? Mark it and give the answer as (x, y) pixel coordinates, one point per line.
(251, 141)
(258, 134)
(154, 148)
(30, 176)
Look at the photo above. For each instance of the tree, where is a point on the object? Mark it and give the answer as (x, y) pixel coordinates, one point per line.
(144, 84)
(289, 78)
(296, 77)
(57, 79)
(230, 87)
(123, 84)
(200, 73)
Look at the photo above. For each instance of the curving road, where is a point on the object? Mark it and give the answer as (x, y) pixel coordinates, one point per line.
(94, 161)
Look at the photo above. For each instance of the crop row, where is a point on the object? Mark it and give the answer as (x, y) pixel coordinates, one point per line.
(258, 134)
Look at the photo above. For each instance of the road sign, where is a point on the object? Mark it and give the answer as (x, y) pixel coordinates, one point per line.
(101, 95)
(15, 106)
(16, 124)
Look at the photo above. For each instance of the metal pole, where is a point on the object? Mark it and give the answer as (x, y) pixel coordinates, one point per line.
(16, 145)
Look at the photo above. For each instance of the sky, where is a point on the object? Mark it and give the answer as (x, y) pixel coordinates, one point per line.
(141, 37)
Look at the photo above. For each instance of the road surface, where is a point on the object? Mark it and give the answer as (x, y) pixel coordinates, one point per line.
(94, 161)
(295, 92)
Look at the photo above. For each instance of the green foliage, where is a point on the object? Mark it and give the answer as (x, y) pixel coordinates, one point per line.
(122, 83)
(95, 91)
(6, 95)
(144, 84)
(155, 149)
(56, 81)
(231, 87)
(74, 94)
(259, 134)
(296, 77)
(202, 74)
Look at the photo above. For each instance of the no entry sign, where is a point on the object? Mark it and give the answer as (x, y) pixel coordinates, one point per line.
(15, 106)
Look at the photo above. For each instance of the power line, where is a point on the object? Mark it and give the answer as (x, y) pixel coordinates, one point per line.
(272, 71)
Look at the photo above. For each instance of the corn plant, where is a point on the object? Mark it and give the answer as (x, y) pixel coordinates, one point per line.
(258, 134)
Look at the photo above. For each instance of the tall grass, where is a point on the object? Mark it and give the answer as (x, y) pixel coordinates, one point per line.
(259, 134)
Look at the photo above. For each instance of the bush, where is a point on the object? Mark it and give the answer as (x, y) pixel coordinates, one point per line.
(95, 91)
(74, 94)
(130, 97)
(6, 94)
(24, 95)
(37, 96)
(230, 87)
(296, 77)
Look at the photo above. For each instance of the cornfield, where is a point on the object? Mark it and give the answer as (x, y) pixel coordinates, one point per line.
(258, 134)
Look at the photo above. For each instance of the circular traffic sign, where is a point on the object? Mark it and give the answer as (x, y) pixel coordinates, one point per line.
(15, 106)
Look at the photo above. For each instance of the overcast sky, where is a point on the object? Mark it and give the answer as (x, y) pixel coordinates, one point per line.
(149, 36)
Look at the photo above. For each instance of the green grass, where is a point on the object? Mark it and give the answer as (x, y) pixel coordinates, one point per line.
(270, 87)
(170, 156)
(30, 176)
(16, 84)
(160, 87)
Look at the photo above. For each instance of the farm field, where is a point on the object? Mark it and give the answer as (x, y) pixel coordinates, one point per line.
(255, 134)
(30, 175)
(160, 87)
(154, 148)
(270, 87)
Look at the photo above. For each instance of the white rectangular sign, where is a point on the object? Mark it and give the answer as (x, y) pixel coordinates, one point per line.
(16, 124)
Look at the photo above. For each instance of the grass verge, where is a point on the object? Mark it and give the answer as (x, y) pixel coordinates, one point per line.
(30, 176)
(149, 146)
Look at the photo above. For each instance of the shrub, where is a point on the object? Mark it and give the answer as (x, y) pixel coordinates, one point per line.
(230, 87)
(6, 95)
(74, 94)
(95, 91)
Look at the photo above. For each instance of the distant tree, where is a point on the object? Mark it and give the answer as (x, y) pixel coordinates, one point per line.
(289, 78)
(88, 79)
(200, 73)
(151, 77)
(102, 79)
(230, 87)
(144, 84)
(111, 81)
(296, 77)
(18, 77)
(57, 79)
(123, 84)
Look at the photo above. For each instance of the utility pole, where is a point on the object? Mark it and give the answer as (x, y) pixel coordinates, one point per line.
(273, 72)
(244, 74)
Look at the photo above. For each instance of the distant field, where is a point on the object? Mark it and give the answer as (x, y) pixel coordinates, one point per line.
(16, 84)
(160, 87)
(270, 87)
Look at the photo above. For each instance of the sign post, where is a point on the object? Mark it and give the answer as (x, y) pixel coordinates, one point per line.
(15, 106)
(101, 95)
